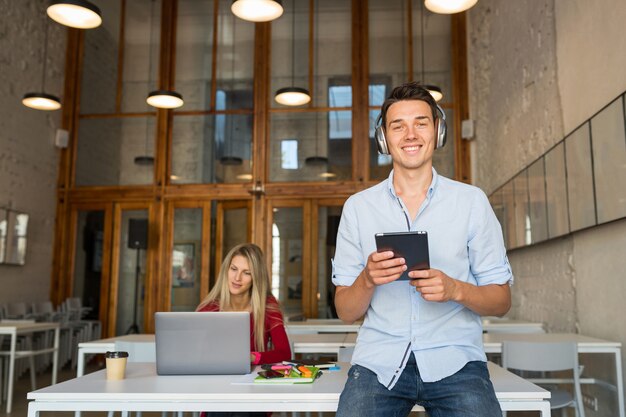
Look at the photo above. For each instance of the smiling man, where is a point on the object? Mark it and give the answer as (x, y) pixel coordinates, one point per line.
(421, 340)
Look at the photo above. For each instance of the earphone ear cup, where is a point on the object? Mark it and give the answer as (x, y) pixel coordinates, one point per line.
(381, 141)
(442, 129)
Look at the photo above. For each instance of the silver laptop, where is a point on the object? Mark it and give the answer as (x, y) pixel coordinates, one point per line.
(204, 343)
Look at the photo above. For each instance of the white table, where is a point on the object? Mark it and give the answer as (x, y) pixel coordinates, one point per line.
(104, 345)
(490, 325)
(493, 344)
(143, 390)
(331, 343)
(15, 329)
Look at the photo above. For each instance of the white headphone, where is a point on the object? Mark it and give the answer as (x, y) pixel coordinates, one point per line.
(442, 128)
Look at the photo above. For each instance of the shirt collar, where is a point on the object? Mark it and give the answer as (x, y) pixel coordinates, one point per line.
(431, 188)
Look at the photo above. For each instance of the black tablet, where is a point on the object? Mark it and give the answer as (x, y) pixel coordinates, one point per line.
(412, 246)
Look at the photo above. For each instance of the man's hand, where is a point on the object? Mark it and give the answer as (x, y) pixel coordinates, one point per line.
(382, 268)
(434, 285)
(486, 300)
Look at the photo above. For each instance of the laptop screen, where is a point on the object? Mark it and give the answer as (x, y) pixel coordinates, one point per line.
(202, 343)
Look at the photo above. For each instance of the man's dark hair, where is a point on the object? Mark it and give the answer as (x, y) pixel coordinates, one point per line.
(408, 91)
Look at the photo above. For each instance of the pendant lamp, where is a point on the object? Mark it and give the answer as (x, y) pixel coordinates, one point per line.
(293, 96)
(257, 10)
(434, 90)
(79, 14)
(42, 100)
(161, 99)
(165, 99)
(449, 6)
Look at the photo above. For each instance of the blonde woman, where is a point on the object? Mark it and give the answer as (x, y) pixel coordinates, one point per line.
(243, 284)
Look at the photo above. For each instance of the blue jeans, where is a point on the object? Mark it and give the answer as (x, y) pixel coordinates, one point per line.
(468, 392)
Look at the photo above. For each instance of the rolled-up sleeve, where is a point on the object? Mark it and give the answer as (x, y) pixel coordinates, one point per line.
(487, 254)
(349, 260)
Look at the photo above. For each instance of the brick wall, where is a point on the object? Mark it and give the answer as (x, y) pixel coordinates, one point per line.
(28, 157)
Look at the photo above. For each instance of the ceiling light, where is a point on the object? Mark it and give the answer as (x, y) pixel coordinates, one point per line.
(165, 99)
(328, 175)
(449, 6)
(316, 161)
(434, 91)
(231, 160)
(292, 96)
(79, 14)
(245, 177)
(257, 10)
(41, 101)
(144, 160)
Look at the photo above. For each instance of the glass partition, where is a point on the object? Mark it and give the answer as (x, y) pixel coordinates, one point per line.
(579, 183)
(556, 192)
(115, 151)
(537, 202)
(212, 149)
(609, 161)
(311, 146)
(186, 255)
(580, 193)
(286, 272)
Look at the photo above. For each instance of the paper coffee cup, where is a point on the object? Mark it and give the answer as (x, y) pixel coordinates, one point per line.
(116, 364)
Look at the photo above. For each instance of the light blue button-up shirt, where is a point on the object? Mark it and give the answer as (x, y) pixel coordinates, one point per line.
(465, 242)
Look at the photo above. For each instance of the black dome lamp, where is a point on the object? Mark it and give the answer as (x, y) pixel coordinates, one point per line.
(257, 10)
(79, 14)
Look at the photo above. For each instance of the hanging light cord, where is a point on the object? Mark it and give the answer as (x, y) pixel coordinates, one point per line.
(422, 38)
(45, 55)
(149, 69)
(293, 44)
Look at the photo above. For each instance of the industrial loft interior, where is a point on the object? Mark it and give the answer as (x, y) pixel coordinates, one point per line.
(137, 149)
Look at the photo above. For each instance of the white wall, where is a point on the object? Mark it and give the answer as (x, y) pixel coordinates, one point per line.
(28, 157)
(537, 70)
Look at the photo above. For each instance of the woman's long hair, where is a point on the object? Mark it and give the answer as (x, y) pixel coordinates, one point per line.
(259, 290)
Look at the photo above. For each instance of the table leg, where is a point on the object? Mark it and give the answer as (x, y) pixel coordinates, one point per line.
(80, 366)
(55, 355)
(11, 372)
(619, 382)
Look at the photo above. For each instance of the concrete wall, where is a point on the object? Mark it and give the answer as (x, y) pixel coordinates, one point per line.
(537, 70)
(28, 157)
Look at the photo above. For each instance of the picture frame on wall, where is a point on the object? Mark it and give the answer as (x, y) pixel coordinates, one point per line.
(13, 231)
(184, 264)
(3, 233)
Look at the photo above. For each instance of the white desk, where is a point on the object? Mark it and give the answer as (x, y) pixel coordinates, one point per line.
(143, 390)
(104, 345)
(331, 343)
(490, 325)
(493, 344)
(15, 329)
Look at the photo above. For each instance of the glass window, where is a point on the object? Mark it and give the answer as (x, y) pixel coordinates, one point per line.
(328, 223)
(211, 149)
(194, 52)
(609, 161)
(100, 61)
(537, 204)
(580, 193)
(186, 256)
(522, 216)
(286, 272)
(556, 192)
(318, 157)
(115, 151)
